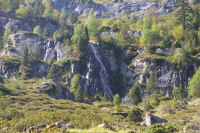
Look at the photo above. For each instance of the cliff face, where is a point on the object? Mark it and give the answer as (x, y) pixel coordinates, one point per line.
(103, 73)
(115, 9)
(50, 50)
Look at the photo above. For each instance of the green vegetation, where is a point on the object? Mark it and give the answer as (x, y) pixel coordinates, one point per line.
(116, 101)
(134, 94)
(194, 85)
(76, 88)
(24, 60)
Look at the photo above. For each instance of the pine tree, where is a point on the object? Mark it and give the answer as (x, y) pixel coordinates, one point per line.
(24, 59)
(62, 16)
(92, 24)
(179, 92)
(76, 88)
(36, 53)
(6, 35)
(52, 73)
(46, 31)
(134, 94)
(38, 9)
(183, 14)
(37, 30)
(152, 83)
(194, 85)
(1, 42)
(116, 100)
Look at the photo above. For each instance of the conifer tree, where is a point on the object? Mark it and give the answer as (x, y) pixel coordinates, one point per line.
(116, 100)
(38, 9)
(37, 30)
(62, 16)
(76, 88)
(194, 85)
(152, 83)
(36, 53)
(184, 17)
(46, 31)
(24, 59)
(134, 94)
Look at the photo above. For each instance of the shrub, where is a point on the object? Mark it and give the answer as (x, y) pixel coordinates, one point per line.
(162, 128)
(147, 106)
(134, 94)
(194, 85)
(116, 101)
(135, 115)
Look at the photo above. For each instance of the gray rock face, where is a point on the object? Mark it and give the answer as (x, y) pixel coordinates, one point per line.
(168, 76)
(7, 68)
(15, 25)
(152, 119)
(97, 78)
(50, 50)
(115, 9)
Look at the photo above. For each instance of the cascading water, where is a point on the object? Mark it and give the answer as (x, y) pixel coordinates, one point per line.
(103, 73)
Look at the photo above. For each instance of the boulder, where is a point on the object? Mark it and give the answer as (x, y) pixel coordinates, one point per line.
(60, 124)
(152, 119)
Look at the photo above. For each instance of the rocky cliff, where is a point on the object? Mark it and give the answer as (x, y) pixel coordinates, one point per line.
(115, 9)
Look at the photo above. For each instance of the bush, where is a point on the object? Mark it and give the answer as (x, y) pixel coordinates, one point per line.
(161, 128)
(147, 106)
(135, 115)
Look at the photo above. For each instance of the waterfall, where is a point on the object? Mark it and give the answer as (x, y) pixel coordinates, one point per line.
(103, 73)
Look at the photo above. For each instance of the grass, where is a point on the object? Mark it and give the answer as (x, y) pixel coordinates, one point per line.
(27, 108)
(24, 108)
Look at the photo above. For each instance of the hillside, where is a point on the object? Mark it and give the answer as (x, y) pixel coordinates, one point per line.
(99, 66)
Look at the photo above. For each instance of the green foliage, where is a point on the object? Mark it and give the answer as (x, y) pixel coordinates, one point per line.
(135, 115)
(72, 19)
(63, 33)
(170, 106)
(6, 35)
(38, 9)
(80, 41)
(24, 11)
(152, 84)
(46, 32)
(179, 92)
(134, 94)
(52, 73)
(183, 14)
(181, 58)
(63, 16)
(75, 87)
(194, 85)
(147, 106)
(92, 24)
(37, 30)
(36, 53)
(162, 128)
(116, 101)
(24, 59)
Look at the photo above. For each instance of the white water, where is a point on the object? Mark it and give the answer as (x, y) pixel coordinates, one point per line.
(103, 73)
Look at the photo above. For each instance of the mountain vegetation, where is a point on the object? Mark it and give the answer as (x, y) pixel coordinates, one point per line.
(99, 66)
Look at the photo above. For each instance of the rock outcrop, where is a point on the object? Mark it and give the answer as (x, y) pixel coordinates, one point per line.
(50, 50)
(115, 9)
(152, 119)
